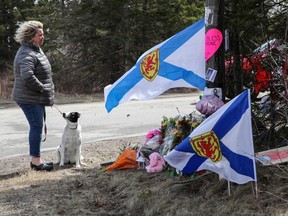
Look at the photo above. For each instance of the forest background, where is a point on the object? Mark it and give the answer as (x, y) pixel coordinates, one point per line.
(92, 43)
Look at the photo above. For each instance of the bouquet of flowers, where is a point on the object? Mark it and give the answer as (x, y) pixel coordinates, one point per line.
(175, 130)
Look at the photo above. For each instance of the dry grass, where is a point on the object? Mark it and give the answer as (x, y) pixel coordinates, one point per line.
(91, 191)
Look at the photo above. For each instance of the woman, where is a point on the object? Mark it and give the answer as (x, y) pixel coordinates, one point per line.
(33, 86)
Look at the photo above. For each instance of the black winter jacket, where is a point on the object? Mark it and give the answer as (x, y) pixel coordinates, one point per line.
(32, 77)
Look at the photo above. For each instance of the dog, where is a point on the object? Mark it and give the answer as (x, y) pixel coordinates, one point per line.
(69, 152)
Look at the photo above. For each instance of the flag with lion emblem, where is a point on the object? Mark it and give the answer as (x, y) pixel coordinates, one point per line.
(177, 62)
(223, 143)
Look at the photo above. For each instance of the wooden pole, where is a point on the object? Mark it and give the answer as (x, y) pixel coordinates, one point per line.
(215, 47)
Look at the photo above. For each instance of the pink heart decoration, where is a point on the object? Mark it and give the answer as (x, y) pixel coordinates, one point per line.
(213, 40)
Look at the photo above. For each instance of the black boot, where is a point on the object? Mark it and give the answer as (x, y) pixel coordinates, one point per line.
(41, 167)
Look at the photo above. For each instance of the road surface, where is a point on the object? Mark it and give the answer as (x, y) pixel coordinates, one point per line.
(134, 118)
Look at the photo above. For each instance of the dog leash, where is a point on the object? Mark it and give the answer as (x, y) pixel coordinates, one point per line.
(45, 125)
(57, 109)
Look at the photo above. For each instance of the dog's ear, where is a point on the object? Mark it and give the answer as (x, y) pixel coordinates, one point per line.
(78, 115)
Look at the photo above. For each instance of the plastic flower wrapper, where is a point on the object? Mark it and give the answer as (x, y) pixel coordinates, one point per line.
(177, 129)
(183, 126)
(127, 160)
(168, 143)
(196, 120)
(153, 143)
(167, 125)
(209, 104)
(153, 133)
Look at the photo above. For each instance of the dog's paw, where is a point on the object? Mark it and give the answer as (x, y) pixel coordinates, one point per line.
(61, 164)
(83, 164)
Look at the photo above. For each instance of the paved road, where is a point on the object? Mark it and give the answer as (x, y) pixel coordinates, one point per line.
(134, 118)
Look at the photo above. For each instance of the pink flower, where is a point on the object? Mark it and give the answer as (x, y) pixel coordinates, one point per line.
(152, 133)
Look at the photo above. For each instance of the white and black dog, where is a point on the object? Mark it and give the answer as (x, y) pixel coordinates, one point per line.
(69, 152)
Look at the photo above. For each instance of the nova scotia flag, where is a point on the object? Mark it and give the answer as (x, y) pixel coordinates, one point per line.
(223, 143)
(177, 62)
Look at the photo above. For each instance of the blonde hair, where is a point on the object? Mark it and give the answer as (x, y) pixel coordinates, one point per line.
(27, 30)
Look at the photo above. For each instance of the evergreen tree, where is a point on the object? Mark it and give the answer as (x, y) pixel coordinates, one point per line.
(11, 13)
(101, 40)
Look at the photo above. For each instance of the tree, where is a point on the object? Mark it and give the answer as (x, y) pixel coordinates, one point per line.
(11, 14)
(250, 24)
(262, 68)
(101, 40)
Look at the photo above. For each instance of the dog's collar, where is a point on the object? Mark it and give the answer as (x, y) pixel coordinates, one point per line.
(73, 128)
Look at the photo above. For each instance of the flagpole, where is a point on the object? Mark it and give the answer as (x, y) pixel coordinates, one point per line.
(254, 157)
(228, 184)
(256, 190)
(229, 188)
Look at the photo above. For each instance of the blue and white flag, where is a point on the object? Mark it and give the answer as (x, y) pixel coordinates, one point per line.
(223, 143)
(177, 62)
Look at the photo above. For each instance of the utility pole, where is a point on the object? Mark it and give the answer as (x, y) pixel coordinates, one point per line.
(214, 48)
